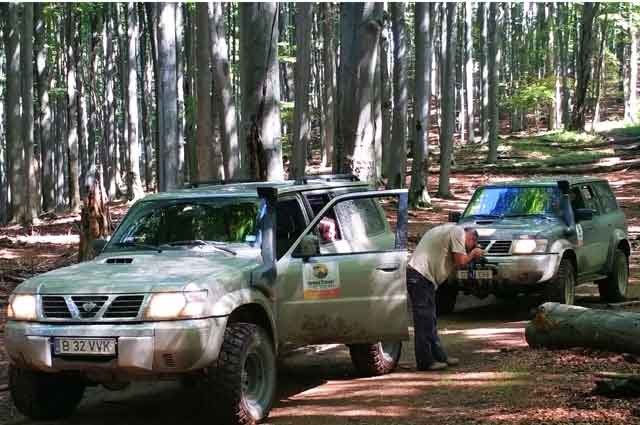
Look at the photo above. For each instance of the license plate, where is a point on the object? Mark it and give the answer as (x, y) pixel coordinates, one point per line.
(85, 346)
(481, 274)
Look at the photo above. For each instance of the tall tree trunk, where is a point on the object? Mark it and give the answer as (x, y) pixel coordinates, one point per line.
(583, 66)
(208, 167)
(147, 98)
(260, 90)
(4, 185)
(169, 167)
(484, 71)
(558, 67)
(469, 67)
(396, 178)
(631, 80)
(122, 151)
(72, 96)
(83, 116)
(109, 139)
(419, 195)
(600, 74)
(492, 60)
(302, 71)
(60, 119)
(564, 68)
(386, 95)
(94, 104)
(45, 118)
(224, 92)
(15, 152)
(180, 89)
(134, 183)
(32, 201)
(329, 86)
(361, 26)
(447, 100)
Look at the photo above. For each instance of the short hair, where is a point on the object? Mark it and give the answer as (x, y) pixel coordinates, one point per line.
(471, 230)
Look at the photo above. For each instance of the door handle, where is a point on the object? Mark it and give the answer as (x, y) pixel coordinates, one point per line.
(388, 267)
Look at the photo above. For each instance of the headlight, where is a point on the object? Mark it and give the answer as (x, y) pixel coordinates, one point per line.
(176, 305)
(529, 246)
(22, 307)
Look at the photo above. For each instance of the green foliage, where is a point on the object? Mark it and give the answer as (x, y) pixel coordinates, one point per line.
(533, 94)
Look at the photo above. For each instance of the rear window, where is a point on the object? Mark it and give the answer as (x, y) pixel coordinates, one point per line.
(607, 198)
(360, 218)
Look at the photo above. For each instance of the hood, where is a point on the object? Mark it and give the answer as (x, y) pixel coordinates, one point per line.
(129, 272)
(506, 228)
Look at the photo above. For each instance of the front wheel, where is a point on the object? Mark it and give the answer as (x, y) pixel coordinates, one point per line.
(375, 359)
(562, 289)
(242, 383)
(614, 287)
(45, 396)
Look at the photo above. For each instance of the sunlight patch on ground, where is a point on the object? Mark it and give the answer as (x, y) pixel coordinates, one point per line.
(47, 239)
(559, 414)
(482, 332)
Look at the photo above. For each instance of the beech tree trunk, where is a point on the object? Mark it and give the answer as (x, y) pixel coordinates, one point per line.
(492, 61)
(396, 177)
(447, 77)
(566, 326)
(261, 90)
(631, 77)
(469, 68)
(583, 66)
(387, 100)
(134, 183)
(224, 92)
(72, 123)
(32, 204)
(95, 219)
(302, 72)
(169, 166)
(419, 195)
(329, 86)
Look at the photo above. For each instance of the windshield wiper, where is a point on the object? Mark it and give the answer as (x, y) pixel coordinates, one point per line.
(132, 243)
(200, 242)
(528, 215)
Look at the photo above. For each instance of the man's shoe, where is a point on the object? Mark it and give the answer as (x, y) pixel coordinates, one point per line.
(453, 361)
(435, 366)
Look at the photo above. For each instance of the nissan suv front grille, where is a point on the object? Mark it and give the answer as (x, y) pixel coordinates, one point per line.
(92, 307)
(495, 247)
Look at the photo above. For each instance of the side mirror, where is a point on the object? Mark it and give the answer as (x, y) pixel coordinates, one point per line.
(584, 214)
(98, 245)
(454, 216)
(309, 246)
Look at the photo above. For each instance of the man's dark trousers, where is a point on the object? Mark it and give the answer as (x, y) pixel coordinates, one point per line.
(422, 294)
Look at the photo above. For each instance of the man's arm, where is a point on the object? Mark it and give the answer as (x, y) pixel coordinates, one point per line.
(461, 259)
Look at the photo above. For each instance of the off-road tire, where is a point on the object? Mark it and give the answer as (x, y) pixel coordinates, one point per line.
(375, 359)
(230, 398)
(562, 288)
(45, 396)
(446, 296)
(612, 289)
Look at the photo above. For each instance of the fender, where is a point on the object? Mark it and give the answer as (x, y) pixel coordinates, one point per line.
(225, 305)
(619, 235)
(561, 247)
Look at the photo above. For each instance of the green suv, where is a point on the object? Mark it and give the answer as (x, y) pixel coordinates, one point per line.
(544, 235)
(209, 284)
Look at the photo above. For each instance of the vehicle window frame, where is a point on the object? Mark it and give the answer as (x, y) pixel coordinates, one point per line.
(594, 195)
(305, 216)
(603, 188)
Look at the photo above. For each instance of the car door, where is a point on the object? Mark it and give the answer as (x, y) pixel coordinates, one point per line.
(346, 291)
(589, 232)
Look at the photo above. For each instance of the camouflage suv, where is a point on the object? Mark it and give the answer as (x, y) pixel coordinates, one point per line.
(208, 284)
(544, 235)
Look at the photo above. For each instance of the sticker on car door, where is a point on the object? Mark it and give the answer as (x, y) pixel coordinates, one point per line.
(580, 234)
(321, 280)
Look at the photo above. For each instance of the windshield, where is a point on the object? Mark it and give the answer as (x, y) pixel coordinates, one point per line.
(150, 224)
(514, 201)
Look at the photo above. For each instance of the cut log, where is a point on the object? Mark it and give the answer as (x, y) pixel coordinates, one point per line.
(564, 326)
(617, 385)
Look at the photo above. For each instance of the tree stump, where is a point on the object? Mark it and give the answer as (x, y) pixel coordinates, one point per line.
(95, 219)
(565, 326)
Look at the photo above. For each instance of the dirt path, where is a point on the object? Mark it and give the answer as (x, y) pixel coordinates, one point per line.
(500, 380)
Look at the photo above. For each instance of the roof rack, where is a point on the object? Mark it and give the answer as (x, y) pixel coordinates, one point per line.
(327, 178)
(195, 184)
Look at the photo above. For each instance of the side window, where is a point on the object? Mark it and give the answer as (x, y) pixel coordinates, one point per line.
(607, 198)
(290, 222)
(583, 196)
(360, 218)
(317, 201)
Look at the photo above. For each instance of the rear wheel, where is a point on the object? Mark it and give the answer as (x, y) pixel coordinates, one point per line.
(614, 287)
(375, 359)
(562, 289)
(243, 380)
(45, 396)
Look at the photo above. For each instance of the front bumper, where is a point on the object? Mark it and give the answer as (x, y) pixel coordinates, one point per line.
(142, 348)
(522, 270)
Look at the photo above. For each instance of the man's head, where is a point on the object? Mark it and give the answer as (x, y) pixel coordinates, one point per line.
(470, 238)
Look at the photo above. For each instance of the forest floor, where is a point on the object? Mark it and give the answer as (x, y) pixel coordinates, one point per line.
(500, 379)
